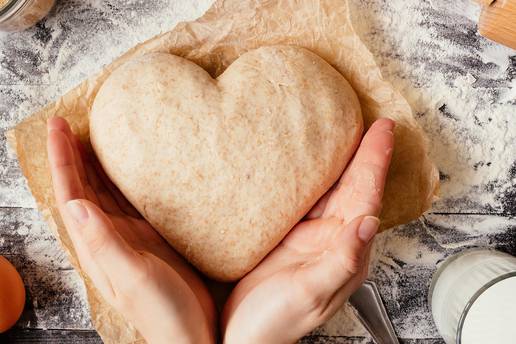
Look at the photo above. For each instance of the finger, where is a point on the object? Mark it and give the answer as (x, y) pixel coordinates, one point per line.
(85, 259)
(65, 177)
(93, 187)
(59, 123)
(110, 198)
(98, 237)
(106, 200)
(101, 196)
(318, 209)
(360, 189)
(120, 199)
(344, 293)
(91, 194)
(346, 259)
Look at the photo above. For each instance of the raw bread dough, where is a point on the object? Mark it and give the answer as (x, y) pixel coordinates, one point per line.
(224, 168)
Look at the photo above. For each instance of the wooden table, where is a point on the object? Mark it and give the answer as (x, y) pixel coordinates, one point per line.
(462, 89)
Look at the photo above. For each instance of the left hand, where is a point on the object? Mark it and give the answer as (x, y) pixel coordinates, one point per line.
(322, 261)
(135, 270)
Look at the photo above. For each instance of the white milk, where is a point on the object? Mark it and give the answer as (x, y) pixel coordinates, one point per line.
(473, 298)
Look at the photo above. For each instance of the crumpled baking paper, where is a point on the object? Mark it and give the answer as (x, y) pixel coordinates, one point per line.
(227, 30)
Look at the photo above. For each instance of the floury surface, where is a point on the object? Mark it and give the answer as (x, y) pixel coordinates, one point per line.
(461, 87)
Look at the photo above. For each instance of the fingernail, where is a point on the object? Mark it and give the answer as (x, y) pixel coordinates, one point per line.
(77, 211)
(388, 151)
(368, 228)
(49, 128)
(386, 124)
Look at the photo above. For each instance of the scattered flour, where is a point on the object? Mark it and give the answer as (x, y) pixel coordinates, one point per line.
(76, 60)
(46, 272)
(462, 89)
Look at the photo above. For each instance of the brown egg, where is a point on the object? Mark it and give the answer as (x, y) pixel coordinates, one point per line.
(12, 295)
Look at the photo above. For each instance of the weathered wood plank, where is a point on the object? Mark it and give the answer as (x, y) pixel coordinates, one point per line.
(71, 44)
(55, 295)
(321, 339)
(13, 186)
(315, 339)
(26, 336)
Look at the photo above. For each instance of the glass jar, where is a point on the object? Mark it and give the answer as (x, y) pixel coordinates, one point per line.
(472, 298)
(18, 15)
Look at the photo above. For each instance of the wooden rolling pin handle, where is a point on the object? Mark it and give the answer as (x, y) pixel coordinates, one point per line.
(498, 21)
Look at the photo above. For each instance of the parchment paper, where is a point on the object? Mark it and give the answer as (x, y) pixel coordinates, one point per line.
(228, 29)
(485, 2)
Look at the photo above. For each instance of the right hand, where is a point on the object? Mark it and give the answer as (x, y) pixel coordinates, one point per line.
(322, 261)
(131, 265)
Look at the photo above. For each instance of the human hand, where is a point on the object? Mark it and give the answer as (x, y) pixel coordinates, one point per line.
(132, 267)
(322, 261)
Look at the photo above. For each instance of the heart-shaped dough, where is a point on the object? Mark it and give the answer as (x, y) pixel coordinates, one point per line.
(224, 168)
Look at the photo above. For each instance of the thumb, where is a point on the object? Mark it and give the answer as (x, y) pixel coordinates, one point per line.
(100, 247)
(353, 242)
(347, 256)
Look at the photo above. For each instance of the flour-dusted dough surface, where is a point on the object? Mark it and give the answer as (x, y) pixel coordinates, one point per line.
(224, 168)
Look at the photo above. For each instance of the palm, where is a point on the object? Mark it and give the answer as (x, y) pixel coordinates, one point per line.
(293, 282)
(141, 236)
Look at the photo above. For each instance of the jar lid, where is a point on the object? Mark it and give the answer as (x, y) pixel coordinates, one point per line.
(11, 8)
(491, 317)
(4, 3)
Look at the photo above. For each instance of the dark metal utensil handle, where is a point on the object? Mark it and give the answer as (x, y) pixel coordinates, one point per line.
(370, 310)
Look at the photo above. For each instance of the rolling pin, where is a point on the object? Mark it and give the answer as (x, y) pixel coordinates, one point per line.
(498, 21)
